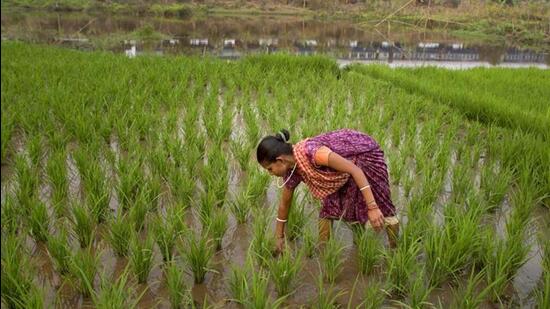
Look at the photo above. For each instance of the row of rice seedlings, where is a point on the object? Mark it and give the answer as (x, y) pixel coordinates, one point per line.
(197, 252)
(27, 180)
(297, 218)
(370, 249)
(466, 295)
(11, 215)
(59, 250)
(216, 227)
(82, 270)
(34, 149)
(450, 248)
(83, 224)
(94, 182)
(284, 270)
(494, 183)
(462, 181)
(57, 175)
(141, 256)
(402, 262)
(240, 206)
(38, 221)
(118, 234)
(262, 242)
(16, 279)
(117, 293)
(178, 292)
(332, 258)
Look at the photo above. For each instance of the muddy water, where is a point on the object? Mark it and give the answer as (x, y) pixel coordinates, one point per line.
(233, 37)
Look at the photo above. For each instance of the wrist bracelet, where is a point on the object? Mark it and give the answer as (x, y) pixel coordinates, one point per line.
(281, 220)
(363, 188)
(372, 207)
(373, 201)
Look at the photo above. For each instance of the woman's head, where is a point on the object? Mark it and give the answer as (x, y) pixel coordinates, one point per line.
(273, 153)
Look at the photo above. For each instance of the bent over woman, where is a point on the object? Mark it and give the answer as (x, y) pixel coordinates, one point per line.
(345, 169)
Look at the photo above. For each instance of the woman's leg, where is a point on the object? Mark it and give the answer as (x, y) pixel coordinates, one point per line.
(325, 227)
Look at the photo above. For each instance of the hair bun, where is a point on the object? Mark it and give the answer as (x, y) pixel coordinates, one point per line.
(283, 136)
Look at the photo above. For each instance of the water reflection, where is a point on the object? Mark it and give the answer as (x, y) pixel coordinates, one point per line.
(233, 37)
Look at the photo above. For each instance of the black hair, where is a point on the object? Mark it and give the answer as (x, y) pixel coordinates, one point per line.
(273, 146)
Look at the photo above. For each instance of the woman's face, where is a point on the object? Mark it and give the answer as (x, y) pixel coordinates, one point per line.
(277, 168)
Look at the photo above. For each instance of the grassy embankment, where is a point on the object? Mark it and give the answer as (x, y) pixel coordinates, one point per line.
(138, 155)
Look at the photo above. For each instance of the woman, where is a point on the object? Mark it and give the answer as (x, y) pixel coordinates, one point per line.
(344, 168)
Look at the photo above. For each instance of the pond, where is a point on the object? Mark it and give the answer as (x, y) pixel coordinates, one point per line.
(232, 37)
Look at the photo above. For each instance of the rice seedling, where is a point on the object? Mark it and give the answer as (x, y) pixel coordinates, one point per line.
(326, 297)
(241, 151)
(240, 207)
(217, 225)
(197, 252)
(495, 184)
(284, 270)
(374, 296)
(309, 242)
(28, 181)
(34, 147)
(418, 291)
(262, 243)
(177, 291)
(83, 224)
(59, 250)
(15, 277)
(119, 232)
(117, 293)
(11, 215)
(238, 283)
(57, 175)
(39, 221)
(141, 256)
(131, 178)
(467, 295)
(542, 294)
(83, 268)
(138, 211)
(165, 235)
(297, 219)
(401, 263)
(182, 186)
(332, 259)
(258, 292)
(369, 249)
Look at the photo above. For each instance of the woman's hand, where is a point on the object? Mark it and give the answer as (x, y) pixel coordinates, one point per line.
(279, 245)
(376, 218)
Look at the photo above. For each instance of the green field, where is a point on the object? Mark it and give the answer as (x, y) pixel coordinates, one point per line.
(129, 181)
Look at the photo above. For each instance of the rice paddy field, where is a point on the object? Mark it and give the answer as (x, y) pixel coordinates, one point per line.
(133, 183)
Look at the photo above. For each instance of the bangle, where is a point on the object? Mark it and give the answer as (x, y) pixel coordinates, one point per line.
(373, 207)
(281, 220)
(373, 201)
(363, 188)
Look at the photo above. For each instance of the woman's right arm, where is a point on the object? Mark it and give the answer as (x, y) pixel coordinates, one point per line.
(282, 213)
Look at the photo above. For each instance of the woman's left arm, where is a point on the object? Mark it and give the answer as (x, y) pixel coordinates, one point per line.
(341, 164)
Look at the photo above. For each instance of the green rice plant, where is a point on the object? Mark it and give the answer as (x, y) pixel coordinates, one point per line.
(297, 219)
(11, 215)
(217, 225)
(39, 221)
(141, 256)
(94, 182)
(495, 184)
(284, 270)
(326, 297)
(369, 249)
(138, 211)
(83, 268)
(182, 186)
(262, 242)
(118, 234)
(309, 242)
(467, 295)
(401, 262)
(542, 294)
(418, 291)
(83, 224)
(177, 291)
(241, 150)
(117, 293)
(57, 174)
(197, 251)
(152, 189)
(28, 181)
(165, 235)
(15, 277)
(7, 131)
(257, 185)
(332, 259)
(462, 181)
(35, 299)
(130, 180)
(396, 167)
(238, 283)
(258, 292)
(240, 207)
(34, 147)
(374, 296)
(59, 250)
